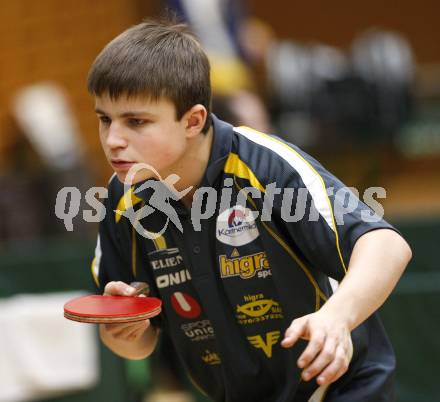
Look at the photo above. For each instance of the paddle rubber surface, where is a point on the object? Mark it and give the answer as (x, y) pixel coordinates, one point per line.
(102, 309)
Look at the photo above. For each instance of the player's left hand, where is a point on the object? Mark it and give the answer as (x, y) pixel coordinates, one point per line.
(330, 348)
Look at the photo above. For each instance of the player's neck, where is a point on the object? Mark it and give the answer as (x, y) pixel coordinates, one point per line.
(192, 166)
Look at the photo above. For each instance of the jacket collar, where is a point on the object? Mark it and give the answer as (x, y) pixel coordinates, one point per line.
(221, 147)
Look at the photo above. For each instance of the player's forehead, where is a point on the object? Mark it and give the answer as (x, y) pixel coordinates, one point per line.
(124, 104)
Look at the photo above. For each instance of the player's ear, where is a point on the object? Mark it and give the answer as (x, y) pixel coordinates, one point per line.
(195, 119)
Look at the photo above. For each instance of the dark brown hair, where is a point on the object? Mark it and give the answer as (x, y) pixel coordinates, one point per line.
(154, 59)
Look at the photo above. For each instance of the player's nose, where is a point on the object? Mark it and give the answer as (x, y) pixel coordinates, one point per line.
(115, 137)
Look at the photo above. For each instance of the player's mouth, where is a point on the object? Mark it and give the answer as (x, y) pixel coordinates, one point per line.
(121, 164)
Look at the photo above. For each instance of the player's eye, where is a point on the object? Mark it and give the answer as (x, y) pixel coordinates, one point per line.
(137, 122)
(104, 120)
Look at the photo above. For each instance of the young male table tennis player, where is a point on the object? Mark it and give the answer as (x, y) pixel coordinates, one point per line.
(247, 302)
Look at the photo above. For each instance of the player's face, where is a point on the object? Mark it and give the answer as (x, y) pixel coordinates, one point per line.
(137, 130)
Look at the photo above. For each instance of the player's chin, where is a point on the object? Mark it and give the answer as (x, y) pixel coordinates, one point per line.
(124, 178)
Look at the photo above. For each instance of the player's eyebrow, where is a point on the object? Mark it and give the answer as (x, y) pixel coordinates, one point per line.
(135, 113)
(131, 113)
(99, 111)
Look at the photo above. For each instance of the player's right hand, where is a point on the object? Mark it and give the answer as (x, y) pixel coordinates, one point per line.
(128, 332)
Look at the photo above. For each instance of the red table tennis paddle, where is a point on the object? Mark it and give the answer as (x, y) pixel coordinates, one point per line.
(101, 309)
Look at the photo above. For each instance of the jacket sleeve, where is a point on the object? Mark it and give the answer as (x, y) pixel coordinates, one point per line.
(324, 218)
(113, 253)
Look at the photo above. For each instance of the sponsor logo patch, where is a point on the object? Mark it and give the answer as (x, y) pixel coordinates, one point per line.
(265, 345)
(198, 331)
(163, 252)
(245, 267)
(236, 226)
(172, 279)
(211, 358)
(258, 309)
(185, 305)
(167, 258)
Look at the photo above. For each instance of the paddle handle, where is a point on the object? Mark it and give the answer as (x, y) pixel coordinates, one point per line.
(142, 288)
